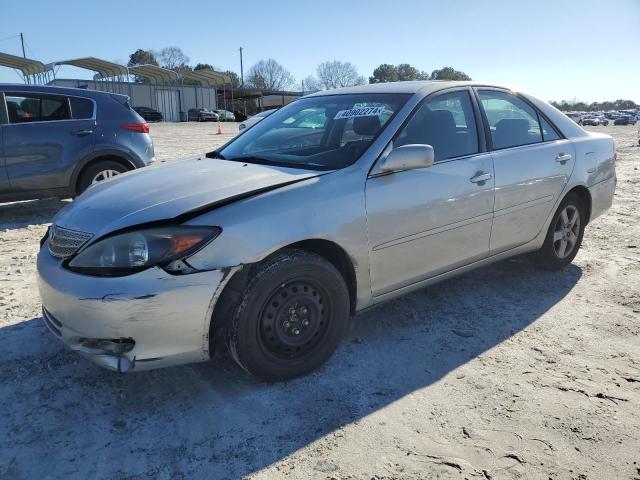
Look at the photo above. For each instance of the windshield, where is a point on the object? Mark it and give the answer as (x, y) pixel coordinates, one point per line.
(322, 133)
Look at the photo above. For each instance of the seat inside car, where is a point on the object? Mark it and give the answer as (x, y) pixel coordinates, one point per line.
(438, 129)
(366, 126)
(510, 132)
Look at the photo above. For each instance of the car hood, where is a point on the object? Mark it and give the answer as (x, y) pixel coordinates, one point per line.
(169, 191)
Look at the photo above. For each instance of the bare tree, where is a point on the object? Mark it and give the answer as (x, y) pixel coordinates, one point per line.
(172, 57)
(269, 75)
(309, 84)
(336, 74)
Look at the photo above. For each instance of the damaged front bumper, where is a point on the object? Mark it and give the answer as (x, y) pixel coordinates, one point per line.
(147, 320)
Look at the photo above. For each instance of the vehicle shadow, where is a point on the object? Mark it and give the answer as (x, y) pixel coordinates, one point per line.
(213, 421)
(18, 215)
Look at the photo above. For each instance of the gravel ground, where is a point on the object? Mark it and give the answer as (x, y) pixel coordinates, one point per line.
(506, 372)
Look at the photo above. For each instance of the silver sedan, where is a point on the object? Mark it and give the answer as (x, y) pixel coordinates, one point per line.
(333, 204)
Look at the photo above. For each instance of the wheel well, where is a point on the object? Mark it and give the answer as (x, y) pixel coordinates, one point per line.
(335, 254)
(113, 158)
(233, 289)
(583, 192)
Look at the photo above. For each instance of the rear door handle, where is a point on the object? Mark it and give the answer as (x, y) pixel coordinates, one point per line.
(481, 177)
(563, 158)
(81, 133)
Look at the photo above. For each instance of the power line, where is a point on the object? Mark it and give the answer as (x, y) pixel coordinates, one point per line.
(9, 38)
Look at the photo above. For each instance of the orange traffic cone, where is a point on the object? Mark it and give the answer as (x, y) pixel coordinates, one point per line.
(219, 132)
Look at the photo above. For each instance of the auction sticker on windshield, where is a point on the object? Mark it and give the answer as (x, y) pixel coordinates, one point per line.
(359, 112)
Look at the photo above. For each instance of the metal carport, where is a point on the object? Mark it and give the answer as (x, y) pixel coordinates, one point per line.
(32, 71)
(158, 76)
(104, 69)
(209, 77)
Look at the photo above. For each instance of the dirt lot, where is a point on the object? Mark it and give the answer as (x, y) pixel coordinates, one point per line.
(507, 372)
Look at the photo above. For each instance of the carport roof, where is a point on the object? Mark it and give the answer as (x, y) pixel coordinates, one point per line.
(153, 73)
(25, 65)
(206, 76)
(104, 68)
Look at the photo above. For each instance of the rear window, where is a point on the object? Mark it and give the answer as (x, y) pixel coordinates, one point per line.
(81, 108)
(36, 108)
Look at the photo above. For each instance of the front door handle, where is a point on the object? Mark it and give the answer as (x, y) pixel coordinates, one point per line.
(481, 177)
(82, 133)
(563, 158)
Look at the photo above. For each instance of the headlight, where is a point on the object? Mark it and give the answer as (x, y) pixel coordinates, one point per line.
(134, 251)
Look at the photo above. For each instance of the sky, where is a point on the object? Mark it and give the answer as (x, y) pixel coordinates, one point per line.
(587, 50)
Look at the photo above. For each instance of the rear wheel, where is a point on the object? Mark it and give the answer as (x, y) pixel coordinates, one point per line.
(98, 172)
(564, 236)
(290, 317)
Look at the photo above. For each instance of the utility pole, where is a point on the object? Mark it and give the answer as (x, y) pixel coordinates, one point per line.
(24, 55)
(241, 70)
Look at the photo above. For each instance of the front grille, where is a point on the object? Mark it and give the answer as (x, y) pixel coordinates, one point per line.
(64, 242)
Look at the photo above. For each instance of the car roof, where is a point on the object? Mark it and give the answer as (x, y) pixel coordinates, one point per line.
(412, 87)
(78, 92)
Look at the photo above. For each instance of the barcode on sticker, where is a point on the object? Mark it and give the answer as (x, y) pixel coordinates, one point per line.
(359, 112)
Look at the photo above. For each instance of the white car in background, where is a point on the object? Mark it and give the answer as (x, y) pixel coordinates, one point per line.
(225, 116)
(251, 121)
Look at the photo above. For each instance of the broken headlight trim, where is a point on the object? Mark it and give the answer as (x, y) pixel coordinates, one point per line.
(130, 252)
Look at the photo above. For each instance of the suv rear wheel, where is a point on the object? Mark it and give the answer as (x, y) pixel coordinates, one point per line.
(98, 172)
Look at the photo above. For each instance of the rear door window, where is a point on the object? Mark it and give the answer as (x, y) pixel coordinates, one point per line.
(548, 132)
(512, 121)
(37, 108)
(81, 107)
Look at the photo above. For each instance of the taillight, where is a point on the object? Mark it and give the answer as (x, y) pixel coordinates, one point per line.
(136, 127)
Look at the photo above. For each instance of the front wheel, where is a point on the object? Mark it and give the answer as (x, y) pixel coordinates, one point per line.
(290, 317)
(564, 236)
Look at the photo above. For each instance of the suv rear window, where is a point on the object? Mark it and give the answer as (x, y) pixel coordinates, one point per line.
(36, 108)
(81, 107)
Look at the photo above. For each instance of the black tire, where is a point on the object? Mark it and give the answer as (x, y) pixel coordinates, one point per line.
(551, 256)
(291, 291)
(90, 172)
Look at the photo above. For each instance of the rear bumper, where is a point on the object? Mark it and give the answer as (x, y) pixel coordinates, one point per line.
(147, 320)
(602, 196)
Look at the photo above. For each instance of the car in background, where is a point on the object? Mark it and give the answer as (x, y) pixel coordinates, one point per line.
(594, 120)
(202, 115)
(335, 203)
(225, 116)
(576, 117)
(255, 119)
(625, 120)
(57, 142)
(149, 114)
(591, 121)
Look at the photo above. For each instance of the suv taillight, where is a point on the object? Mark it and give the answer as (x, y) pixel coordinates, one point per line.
(136, 127)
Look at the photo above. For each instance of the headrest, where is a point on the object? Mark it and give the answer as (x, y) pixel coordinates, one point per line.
(440, 120)
(366, 126)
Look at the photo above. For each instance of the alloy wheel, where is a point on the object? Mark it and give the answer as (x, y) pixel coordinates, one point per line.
(104, 175)
(566, 232)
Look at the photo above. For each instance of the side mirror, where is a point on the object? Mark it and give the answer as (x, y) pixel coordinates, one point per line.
(408, 157)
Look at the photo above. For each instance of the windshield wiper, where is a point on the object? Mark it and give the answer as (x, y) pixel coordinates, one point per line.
(279, 163)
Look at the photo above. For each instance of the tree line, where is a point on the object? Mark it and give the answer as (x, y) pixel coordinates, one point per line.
(270, 75)
(574, 105)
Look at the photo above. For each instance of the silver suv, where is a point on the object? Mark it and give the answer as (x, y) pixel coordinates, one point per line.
(56, 142)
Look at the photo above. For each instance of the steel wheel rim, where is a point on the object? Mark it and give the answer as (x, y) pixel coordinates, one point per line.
(104, 175)
(566, 232)
(294, 320)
